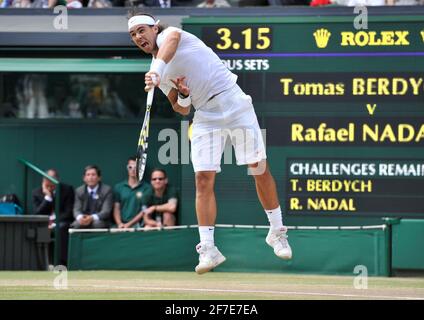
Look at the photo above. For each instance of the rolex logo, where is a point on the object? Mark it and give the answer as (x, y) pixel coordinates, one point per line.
(321, 37)
(422, 35)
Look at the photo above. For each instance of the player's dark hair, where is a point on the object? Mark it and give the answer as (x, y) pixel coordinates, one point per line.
(134, 11)
(92, 166)
(160, 170)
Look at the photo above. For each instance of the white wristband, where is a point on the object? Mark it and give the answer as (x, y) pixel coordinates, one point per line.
(184, 102)
(158, 66)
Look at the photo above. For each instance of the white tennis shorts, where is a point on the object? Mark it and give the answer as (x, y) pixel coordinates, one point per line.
(229, 115)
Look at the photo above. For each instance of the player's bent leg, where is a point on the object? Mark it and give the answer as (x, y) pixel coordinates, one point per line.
(209, 255)
(267, 193)
(265, 185)
(205, 198)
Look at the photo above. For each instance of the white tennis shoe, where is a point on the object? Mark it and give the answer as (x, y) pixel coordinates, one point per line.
(209, 257)
(278, 241)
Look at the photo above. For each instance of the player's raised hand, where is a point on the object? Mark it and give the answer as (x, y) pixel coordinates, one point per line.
(181, 86)
(151, 79)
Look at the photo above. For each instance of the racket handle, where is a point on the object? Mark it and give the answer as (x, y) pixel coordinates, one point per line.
(154, 80)
(150, 96)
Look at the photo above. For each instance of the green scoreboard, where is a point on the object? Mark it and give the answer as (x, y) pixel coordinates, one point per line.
(341, 99)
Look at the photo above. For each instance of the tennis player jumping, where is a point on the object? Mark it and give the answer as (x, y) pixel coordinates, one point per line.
(190, 74)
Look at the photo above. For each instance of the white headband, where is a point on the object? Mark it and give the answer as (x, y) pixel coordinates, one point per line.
(143, 19)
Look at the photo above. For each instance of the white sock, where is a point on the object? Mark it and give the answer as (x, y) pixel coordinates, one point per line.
(206, 234)
(275, 218)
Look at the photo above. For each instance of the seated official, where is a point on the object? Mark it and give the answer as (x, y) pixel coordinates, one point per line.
(93, 201)
(160, 204)
(43, 203)
(127, 197)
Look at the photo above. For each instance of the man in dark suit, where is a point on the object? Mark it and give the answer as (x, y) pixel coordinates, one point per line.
(43, 202)
(93, 201)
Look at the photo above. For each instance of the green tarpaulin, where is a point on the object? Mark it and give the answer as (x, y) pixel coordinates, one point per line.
(318, 251)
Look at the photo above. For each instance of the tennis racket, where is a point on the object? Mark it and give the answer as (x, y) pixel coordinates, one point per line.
(141, 158)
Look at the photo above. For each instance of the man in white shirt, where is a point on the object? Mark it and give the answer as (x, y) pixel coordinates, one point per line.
(190, 74)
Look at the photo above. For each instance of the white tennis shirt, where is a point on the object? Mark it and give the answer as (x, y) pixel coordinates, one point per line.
(205, 73)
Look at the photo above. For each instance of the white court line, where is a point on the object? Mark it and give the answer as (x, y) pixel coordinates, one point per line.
(260, 291)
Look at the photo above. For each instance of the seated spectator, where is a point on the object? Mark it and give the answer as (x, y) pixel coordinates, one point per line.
(20, 4)
(214, 4)
(5, 3)
(296, 2)
(99, 4)
(354, 3)
(127, 197)
(54, 3)
(152, 3)
(120, 3)
(254, 3)
(43, 202)
(318, 3)
(160, 203)
(93, 201)
(74, 4)
(404, 2)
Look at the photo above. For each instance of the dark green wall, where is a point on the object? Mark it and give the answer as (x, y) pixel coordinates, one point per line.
(407, 251)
